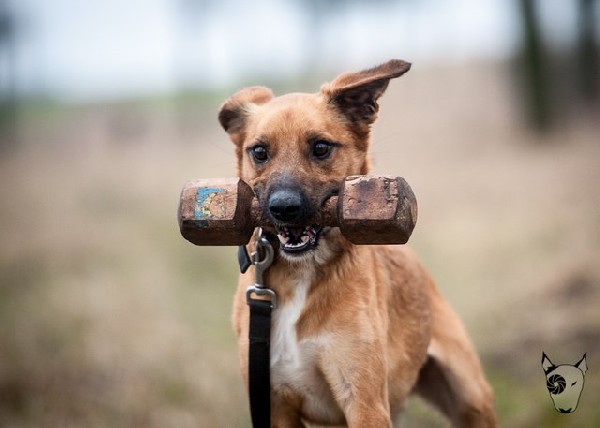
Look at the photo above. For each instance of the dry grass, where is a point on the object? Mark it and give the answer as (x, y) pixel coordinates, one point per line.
(109, 318)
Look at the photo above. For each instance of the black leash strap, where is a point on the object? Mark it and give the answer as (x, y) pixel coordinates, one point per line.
(259, 355)
(259, 370)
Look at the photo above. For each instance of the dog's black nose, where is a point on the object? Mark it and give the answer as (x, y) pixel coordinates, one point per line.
(286, 205)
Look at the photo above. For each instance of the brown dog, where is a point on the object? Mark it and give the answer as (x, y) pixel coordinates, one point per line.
(357, 328)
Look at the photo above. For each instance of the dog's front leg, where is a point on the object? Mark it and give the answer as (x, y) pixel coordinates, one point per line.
(283, 415)
(357, 376)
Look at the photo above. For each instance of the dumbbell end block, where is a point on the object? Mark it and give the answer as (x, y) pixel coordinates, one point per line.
(377, 210)
(213, 212)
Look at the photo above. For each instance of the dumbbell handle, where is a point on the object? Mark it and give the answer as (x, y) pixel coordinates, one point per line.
(328, 213)
(369, 210)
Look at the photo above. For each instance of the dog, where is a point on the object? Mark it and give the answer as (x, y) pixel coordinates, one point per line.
(565, 383)
(357, 328)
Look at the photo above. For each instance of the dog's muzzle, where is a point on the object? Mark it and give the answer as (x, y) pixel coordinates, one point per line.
(290, 210)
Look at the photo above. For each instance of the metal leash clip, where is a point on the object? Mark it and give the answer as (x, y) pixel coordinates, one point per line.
(263, 246)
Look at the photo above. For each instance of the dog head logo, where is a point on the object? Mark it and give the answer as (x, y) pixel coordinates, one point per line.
(565, 383)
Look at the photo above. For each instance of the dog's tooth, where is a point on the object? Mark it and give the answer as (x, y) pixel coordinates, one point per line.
(283, 239)
(297, 238)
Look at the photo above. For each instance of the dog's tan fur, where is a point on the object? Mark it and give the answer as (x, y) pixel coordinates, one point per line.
(357, 328)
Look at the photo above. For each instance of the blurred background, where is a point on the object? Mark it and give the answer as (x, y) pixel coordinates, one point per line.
(108, 318)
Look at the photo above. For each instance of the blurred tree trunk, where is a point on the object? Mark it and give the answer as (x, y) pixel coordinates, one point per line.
(8, 95)
(537, 97)
(589, 70)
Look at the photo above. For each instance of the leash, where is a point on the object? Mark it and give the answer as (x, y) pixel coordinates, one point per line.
(259, 353)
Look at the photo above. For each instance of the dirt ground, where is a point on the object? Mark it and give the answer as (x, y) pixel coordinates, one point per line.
(108, 318)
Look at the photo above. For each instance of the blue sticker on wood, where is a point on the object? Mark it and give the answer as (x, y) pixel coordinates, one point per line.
(204, 198)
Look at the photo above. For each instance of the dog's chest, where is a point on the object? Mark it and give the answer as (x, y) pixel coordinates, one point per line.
(294, 362)
(288, 356)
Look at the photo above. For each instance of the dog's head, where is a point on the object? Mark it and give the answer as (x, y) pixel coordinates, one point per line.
(565, 383)
(296, 149)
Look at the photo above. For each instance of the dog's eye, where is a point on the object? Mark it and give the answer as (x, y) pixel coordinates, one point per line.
(259, 153)
(321, 149)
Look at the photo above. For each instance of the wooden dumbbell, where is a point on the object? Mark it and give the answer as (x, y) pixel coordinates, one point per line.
(368, 210)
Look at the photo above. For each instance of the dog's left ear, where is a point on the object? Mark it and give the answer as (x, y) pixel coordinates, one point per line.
(582, 365)
(356, 94)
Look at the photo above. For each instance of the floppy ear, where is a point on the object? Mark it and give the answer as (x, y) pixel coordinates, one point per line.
(546, 363)
(582, 365)
(235, 110)
(356, 94)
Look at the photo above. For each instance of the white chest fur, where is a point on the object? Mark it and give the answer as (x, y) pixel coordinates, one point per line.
(285, 350)
(294, 362)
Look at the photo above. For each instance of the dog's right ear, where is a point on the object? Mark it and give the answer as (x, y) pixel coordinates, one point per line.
(235, 110)
(546, 363)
